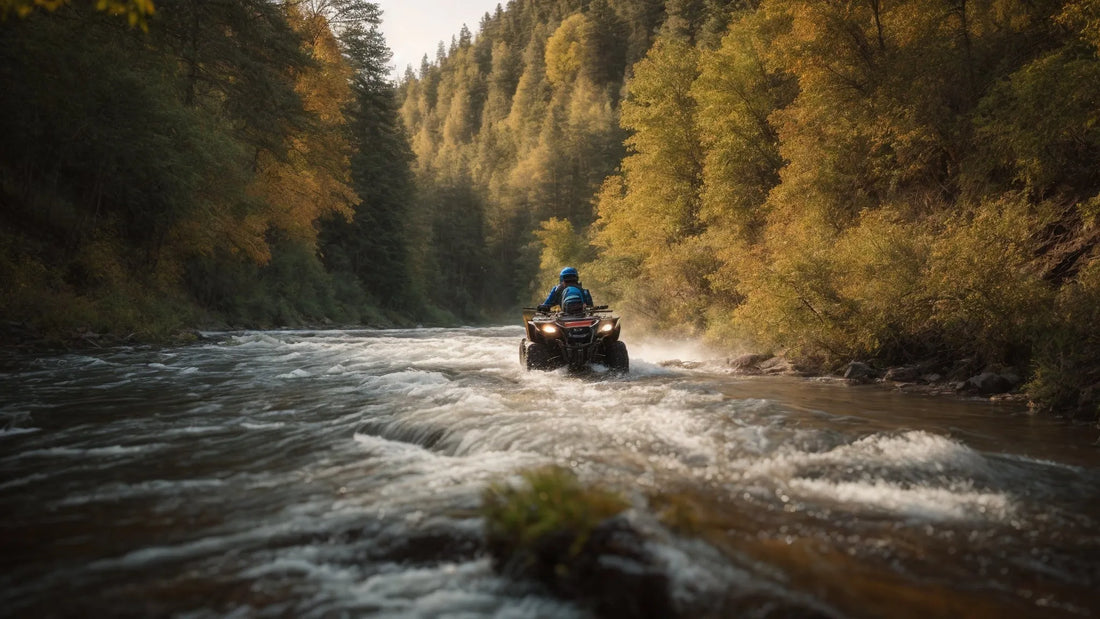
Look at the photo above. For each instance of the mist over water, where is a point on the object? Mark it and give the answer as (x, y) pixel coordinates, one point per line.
(339, 472)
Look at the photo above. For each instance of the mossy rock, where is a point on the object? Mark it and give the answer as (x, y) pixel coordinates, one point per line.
(577, 542)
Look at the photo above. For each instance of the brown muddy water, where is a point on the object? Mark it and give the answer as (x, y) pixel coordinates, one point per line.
(339, 473)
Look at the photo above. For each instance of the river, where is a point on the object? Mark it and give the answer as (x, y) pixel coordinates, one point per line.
(339, 473)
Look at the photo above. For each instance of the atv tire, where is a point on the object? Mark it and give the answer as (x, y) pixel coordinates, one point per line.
(618, 360)
(534, 356)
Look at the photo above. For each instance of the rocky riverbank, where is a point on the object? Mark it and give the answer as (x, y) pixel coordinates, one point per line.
(18, 335)
(963, 378)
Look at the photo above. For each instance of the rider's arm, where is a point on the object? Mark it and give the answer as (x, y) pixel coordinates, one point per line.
(554, 298)
(587, 297)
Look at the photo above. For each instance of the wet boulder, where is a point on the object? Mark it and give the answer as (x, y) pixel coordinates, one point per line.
(987, 383)
(778, 365)
(576, 541)
(904, 374)
(617, 576)
(749, 362)
(858, 371)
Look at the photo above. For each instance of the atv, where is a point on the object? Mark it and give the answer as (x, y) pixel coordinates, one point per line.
(576, 340)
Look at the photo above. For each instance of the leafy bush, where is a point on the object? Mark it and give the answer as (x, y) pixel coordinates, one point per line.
(59, 297)
(880, 265)
(1066, 375)
(791, 298)
(988, 298)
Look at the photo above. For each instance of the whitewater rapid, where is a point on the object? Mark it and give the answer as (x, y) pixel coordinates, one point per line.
(321, 473)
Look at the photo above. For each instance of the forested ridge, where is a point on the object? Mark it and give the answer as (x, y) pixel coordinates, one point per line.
(906, 182)
(201, 163)
(910, 182)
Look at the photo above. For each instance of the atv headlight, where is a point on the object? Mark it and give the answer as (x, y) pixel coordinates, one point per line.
(607, 327)
(549, 329)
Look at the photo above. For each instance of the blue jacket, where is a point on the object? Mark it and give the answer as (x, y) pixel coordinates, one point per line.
(554, 298)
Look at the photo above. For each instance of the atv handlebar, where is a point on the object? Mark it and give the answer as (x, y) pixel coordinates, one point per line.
(540, 309)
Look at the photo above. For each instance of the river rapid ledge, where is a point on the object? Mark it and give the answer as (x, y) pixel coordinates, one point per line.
(342, 472)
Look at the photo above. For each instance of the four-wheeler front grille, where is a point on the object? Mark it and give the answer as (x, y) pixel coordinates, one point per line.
(577, 336)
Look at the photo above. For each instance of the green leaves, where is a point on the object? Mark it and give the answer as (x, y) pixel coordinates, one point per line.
(1047, 142)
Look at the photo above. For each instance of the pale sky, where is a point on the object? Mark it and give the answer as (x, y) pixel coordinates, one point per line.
(415, 27)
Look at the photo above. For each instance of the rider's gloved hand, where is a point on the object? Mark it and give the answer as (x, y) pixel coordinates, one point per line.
(543, 308)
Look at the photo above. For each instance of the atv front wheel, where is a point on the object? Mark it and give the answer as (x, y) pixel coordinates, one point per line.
(534, 356)
(618, 360)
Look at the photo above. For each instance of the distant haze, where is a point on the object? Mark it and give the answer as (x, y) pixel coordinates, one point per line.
(415, 27)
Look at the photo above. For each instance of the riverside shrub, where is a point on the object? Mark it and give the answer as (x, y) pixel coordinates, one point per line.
(988, 297)
(958, 285)
(1066, 374)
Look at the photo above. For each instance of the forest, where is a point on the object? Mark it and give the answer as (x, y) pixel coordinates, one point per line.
(192, 162)
(891, 181)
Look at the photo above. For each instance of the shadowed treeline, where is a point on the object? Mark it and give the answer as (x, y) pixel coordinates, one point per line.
(234, 163)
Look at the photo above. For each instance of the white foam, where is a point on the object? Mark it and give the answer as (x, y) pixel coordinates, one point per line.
(915, 475)
(262, 426)
(15, 431)
(641, 368)
(299, 373)
(26, 480)
(91, 452)
(663, 350)
(115, 492)
(415, 477)
(409, 383)
(917, 502)
(917, 452)
(198, 430)
(303, 566)
(453, 589)
(255, 340)
(90, 361)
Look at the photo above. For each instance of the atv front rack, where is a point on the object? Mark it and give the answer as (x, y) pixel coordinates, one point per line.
(588, 310)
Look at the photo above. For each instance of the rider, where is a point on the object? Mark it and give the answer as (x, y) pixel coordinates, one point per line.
(569, 294)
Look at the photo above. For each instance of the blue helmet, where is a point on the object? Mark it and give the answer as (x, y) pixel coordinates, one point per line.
(569, 273)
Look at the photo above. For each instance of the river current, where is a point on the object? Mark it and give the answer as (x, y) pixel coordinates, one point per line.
(339, 473)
